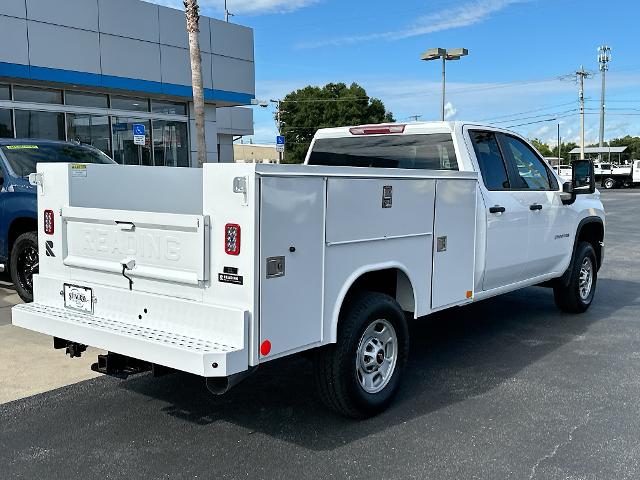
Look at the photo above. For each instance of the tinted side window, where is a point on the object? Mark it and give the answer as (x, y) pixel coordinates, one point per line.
(428, 151)
(530, 172)
(494, 173)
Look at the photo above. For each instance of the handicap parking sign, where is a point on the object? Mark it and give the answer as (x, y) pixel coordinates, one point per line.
(138, 129)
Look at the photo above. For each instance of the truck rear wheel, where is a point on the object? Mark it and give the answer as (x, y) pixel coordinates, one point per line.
(24, 263)
(608, 183)
(577, 296)
(360, 374)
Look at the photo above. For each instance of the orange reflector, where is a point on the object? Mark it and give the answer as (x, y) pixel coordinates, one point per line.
(469, 294)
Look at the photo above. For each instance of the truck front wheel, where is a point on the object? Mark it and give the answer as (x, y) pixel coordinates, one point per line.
(577, 296)
(24, 263)
(359, 375)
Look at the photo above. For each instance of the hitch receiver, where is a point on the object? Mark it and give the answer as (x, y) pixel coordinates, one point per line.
(120, 366)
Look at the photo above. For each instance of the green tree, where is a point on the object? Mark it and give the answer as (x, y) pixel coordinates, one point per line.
(632, 144)
(335, 105)
(542, 147)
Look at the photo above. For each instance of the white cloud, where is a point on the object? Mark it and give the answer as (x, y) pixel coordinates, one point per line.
(243, 6)
(446, 19)
(449, 111)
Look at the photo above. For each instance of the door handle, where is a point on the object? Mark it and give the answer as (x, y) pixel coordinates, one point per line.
(497, 209)
(126, 226)
(535, 206)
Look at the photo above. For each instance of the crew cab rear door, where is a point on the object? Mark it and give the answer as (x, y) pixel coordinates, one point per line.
(507, 218)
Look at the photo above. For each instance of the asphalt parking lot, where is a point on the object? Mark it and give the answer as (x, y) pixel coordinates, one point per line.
(506, 388)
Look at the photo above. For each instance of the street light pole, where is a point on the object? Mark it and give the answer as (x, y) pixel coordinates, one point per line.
(444, 54)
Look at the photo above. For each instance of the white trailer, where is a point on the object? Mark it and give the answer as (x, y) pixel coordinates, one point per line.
(215, 271)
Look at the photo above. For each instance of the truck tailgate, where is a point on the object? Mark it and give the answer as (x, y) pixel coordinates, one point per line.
(162, 246)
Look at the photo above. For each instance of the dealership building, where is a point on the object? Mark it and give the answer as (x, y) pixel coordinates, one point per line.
(89, 70)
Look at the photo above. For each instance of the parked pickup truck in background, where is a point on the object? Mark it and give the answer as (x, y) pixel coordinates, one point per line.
(18, 210)
(246, 263)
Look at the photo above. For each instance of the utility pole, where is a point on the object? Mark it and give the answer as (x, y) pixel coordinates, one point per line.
(581, 75)
(415, 118)
(227, 13)
(559, 156)
(604, 57)
(278, 103)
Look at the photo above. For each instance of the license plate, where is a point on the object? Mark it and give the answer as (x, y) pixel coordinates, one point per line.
(78, 298)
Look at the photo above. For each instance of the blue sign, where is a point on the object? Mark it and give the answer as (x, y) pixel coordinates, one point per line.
(138, 128)
(280, 140)
(119, 127)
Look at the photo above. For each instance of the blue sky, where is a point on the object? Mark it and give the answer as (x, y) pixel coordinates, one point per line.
(518, 49)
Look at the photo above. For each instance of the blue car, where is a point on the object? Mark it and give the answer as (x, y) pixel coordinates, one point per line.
(18, 202)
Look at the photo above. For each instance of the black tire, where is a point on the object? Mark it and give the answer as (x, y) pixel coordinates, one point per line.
(608, 183)
(337, 377)
(24, 263)
(570, 299)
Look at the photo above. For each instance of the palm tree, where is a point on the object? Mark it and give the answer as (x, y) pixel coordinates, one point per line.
(192, 12)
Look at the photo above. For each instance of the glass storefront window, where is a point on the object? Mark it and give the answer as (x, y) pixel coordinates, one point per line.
(130, 103)
(90, 129)
(6, 125)
(5, 92)
(125, 151)
(37, 95)
(85, 99)
(170, 143)
(40, 125)
(168, 108)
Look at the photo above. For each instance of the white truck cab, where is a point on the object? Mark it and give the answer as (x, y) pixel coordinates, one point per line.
(245, 263)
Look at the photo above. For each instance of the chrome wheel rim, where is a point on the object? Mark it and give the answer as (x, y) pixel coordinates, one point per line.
(586, 278)
(376, 356)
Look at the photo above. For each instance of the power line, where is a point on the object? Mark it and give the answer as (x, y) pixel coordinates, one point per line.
(539, 121)
(527, 111)
(537, 116)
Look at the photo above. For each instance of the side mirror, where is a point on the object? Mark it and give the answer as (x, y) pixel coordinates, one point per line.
(583, 179)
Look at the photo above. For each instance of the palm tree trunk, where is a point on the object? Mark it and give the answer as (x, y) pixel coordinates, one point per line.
(191, 9)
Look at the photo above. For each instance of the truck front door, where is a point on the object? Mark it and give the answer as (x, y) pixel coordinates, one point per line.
(551, 232)
(507, 218)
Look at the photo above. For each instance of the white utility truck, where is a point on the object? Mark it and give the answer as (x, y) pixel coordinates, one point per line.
(215, 271)
(609, 175)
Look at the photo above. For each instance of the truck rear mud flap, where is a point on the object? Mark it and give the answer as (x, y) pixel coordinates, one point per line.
(190, 354)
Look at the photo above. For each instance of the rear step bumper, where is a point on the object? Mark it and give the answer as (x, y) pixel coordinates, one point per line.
(186, 353)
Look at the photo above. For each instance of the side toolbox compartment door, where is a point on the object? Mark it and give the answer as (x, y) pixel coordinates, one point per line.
(291, 262)
(454, 242)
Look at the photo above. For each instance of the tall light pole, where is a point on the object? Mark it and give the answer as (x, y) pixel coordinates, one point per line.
(444, 54)
(604, 57)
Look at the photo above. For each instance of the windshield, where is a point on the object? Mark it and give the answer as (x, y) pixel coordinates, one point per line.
(427, 151)
(23, 157)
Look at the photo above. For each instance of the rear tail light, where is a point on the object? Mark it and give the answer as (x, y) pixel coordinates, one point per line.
(377, 129)
(232, 239)
(48, 222)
